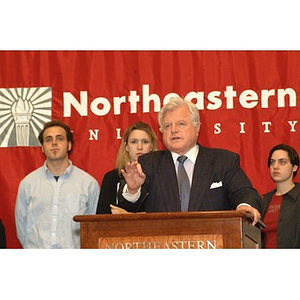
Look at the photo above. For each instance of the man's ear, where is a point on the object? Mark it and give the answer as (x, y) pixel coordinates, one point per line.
(198, 128)
(69, 146)
(295, 168)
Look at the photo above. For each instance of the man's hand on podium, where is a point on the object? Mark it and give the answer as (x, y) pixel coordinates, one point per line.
(253, 211)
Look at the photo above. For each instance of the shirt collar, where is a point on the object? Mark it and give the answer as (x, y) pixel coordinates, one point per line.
(295, 191)
(191, 154)
(67, 171)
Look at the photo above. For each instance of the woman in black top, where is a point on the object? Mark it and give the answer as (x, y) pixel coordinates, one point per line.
(137, 140)
(2, 236)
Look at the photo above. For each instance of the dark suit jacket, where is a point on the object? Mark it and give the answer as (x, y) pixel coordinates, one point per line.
(218, 182)
(2, 236)
(109, 193)
(288, 231)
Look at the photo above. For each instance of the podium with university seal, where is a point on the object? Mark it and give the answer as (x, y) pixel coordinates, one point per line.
(173, 230)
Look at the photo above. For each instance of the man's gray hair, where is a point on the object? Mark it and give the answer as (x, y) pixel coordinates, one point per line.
(176, 102)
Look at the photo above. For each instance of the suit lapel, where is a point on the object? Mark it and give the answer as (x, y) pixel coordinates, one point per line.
(169, 189)
(200, 183)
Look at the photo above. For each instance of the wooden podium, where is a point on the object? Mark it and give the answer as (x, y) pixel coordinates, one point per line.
(175, 230)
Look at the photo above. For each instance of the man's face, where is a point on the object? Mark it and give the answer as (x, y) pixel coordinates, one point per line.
(55, 144)
(178, 132)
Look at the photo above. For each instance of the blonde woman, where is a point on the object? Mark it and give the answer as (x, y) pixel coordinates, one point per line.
(137, 140)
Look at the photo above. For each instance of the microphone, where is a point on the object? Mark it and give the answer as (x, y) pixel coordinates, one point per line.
(142, 201)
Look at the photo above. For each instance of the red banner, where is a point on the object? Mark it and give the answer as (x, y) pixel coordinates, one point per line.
(248, 102)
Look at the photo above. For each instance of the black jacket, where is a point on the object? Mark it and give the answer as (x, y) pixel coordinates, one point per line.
(219, 183)
(2, 236)
(109, 194)
(288, 231)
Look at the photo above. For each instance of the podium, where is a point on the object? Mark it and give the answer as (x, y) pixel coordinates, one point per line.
(174, 230)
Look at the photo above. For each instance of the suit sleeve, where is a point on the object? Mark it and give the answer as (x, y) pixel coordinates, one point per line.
(239, 187)
(2, 236)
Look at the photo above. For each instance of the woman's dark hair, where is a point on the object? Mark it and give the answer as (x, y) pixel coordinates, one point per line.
(292, 153)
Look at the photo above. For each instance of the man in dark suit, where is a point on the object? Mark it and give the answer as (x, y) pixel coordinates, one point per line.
(2, 236)
(216, 179)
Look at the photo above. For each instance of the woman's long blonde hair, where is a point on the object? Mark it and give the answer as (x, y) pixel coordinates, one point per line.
(123, 156)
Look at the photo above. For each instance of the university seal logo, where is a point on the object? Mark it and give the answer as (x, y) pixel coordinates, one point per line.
(23, 113)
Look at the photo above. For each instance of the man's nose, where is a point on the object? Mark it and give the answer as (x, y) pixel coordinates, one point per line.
(174, 128)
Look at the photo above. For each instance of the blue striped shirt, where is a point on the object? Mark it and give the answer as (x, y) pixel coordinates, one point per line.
(45, 207)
